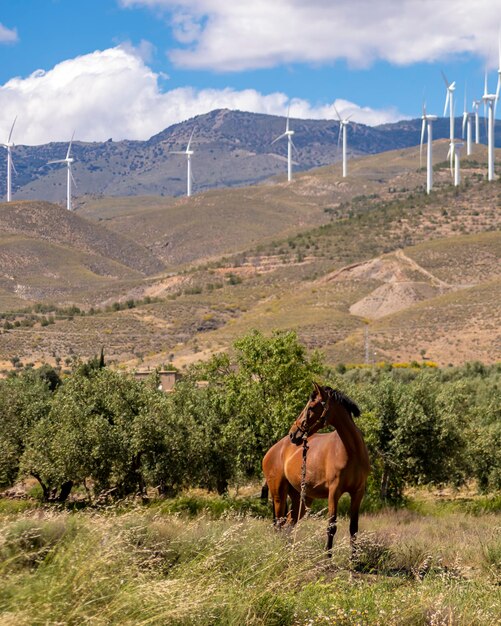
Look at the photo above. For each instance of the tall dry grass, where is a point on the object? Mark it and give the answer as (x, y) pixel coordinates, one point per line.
(143, 566)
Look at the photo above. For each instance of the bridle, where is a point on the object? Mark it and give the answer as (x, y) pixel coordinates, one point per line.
(320, 423)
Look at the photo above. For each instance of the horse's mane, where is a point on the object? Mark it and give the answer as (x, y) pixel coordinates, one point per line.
(347, 403)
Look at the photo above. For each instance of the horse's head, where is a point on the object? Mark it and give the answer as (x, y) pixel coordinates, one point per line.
(312, 417)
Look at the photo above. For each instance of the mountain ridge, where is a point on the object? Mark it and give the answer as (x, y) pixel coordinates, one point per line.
(232, 149)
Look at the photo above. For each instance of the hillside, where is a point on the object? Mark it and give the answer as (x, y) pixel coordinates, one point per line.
(324, 256)
(232, 148)
(50, 254)
(225, 221)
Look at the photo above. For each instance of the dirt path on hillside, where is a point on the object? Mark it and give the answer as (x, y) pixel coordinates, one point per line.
(400, 254)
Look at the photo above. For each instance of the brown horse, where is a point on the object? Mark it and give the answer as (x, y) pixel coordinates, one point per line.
(337, 462)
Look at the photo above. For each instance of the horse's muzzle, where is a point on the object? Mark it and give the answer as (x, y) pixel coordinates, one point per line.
(296, 438)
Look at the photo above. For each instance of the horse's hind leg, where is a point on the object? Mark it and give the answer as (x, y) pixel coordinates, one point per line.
(356, 500)
(264, 493)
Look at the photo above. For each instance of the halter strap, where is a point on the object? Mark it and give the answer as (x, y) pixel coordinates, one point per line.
(321, 420)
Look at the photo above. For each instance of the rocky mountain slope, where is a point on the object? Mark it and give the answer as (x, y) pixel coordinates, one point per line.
(232, 148)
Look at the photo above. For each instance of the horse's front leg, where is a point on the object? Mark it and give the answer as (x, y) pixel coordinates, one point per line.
(279, 497)
(332, 525)
(298, 508)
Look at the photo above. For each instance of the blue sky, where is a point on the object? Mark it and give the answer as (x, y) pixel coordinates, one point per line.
(129, 68)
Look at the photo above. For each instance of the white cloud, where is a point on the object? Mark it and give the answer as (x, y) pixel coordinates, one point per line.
(113, 93)
(8, 35)
(232, 35)
(144, 50)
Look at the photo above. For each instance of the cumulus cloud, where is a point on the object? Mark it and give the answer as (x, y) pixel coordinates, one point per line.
(8, 35)
(237, 35)
(113, 93)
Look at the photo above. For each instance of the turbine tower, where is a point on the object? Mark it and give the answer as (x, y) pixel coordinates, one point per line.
(467, 125)
(427, 123)
(188, 153)
(290, 144)
(69, 176)
(475, 105)
(10, 164)
(343, 124)
(455, 156)
(490, 102)
(449, 101)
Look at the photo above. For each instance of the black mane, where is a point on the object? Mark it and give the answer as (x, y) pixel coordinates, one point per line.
(347, 403)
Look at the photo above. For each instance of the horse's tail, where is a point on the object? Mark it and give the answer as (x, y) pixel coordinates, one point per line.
(264, 492)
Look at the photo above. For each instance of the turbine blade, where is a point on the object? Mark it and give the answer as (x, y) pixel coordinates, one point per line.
(12, 128)
(72, 178)
(69, 146)
(424, 108)
(189, 142)
(465, 118)
(178, 152)
(57, 161)
(293, 145)
(339, 136)
(499, 49)
(279, 137)
(288, 114)
(445, 79)
(446, 102)
(13, 166)
(337, 113)
(423, 127)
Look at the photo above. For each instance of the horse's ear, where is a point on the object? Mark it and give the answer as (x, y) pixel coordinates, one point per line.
(319, 390)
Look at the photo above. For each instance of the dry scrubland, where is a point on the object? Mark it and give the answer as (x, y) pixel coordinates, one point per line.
(431, 564)
(322, 256)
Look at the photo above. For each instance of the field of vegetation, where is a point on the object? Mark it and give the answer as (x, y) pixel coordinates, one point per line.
(206, 560)
(125, 505)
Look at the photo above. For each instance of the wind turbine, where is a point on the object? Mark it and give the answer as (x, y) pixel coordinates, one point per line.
(467, 124)
(490, 101)
(290, 144)
(188, 153)
(427, 123)
(343, 123)
(475, 105)
(10, 164)
(449, 100)
(68, 160)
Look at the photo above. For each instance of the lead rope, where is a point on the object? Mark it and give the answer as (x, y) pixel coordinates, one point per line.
(302, 501)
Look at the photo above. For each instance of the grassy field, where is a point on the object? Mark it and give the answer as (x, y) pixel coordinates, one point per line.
(206, 560)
